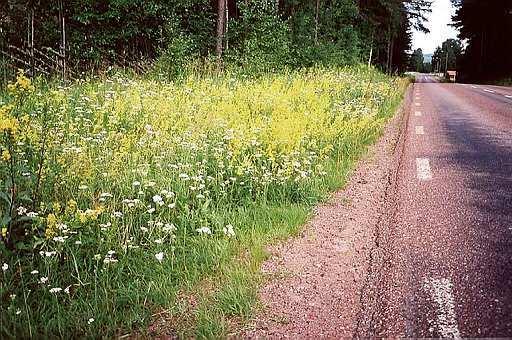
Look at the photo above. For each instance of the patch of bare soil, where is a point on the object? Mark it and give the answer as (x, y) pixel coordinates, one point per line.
(316, 281)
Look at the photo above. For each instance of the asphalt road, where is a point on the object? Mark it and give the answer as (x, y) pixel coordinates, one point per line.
(451, 272)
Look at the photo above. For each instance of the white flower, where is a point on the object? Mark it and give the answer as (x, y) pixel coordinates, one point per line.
(26, 174)
(144, 229)
(109, 258)
(60, 239)
(199, 196)
(228, 230)
(151, 210)
(117, 214)
(78, 242)
(159, 241)
(66, 290)
(204, 230)
(43, 280)
(158, 200)
(169, 228)
(5, 266)
(34, 272)
(105, 226)
(159, 256)
(97, 257)
(106, 195)
(150, 184)
(136, 183)
(22, 210)
(91, 320)
(18, 311)
(55, 290)
(82, 187)
(32, 214)
(12, 296)
(172, 205)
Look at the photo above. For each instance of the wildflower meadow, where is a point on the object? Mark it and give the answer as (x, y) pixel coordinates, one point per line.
(122, 196)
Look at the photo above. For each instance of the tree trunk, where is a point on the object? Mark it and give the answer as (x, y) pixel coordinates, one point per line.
(316, 21)
(226, 26)
(32, 61)
(221, 12)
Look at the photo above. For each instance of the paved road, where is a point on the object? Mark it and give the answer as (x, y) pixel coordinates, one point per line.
(451, 275)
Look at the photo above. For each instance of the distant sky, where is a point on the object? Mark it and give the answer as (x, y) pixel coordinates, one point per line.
(438, 20)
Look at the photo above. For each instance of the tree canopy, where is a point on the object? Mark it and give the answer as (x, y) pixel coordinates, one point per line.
(89, 34)
(486, 26)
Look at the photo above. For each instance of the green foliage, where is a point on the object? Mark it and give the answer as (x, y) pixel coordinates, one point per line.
(259, 40)
(486, 26)
(416, 61)
(447, 56)
(258, 35)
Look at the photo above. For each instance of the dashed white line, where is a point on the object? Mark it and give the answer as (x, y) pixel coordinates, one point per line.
(420, 130)
(441, 293)
(473, 86)
(423, 169)
(508, 96)
(418, 104)
(490, 91)
(417, 113)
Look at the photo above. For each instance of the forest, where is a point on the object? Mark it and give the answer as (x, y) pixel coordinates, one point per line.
(75, 36)
(486, 26)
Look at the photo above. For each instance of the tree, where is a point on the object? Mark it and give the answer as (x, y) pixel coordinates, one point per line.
(447, 56)
(416, 61)
(221, 26)
(487, 27)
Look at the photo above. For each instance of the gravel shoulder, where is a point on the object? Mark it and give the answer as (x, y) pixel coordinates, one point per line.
(323, 283)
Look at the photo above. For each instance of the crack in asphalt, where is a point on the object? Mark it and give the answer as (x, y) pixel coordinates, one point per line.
(380, 255)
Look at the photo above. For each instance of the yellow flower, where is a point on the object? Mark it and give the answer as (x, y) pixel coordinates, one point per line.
(22, 84)
(71, 206)
(6, 156)
(89, 214)
(51, 226)
(4, 231)
(56, 206)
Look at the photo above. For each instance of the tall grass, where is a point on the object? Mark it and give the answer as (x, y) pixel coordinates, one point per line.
(119, 195)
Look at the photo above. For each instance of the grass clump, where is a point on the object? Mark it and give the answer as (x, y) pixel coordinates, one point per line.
(118, 194)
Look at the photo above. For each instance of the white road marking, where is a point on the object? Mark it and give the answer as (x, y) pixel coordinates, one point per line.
(474, 87)
(423, 169)
(418, 104)
(420, 130)
(441, 293)
(508, 96)
(487, 90)
(417, 113)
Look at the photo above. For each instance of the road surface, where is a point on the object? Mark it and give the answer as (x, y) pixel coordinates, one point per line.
(419, 242)
(448, 272)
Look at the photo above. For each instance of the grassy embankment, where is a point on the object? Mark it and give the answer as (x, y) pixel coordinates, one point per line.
(134, 197)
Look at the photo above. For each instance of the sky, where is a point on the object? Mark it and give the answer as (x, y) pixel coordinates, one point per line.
(438, 20)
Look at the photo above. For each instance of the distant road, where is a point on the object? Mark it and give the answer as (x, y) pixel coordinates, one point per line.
(452, 270)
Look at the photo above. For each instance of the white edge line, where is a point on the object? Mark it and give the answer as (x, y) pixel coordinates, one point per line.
(423, 169)
(441, 293)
